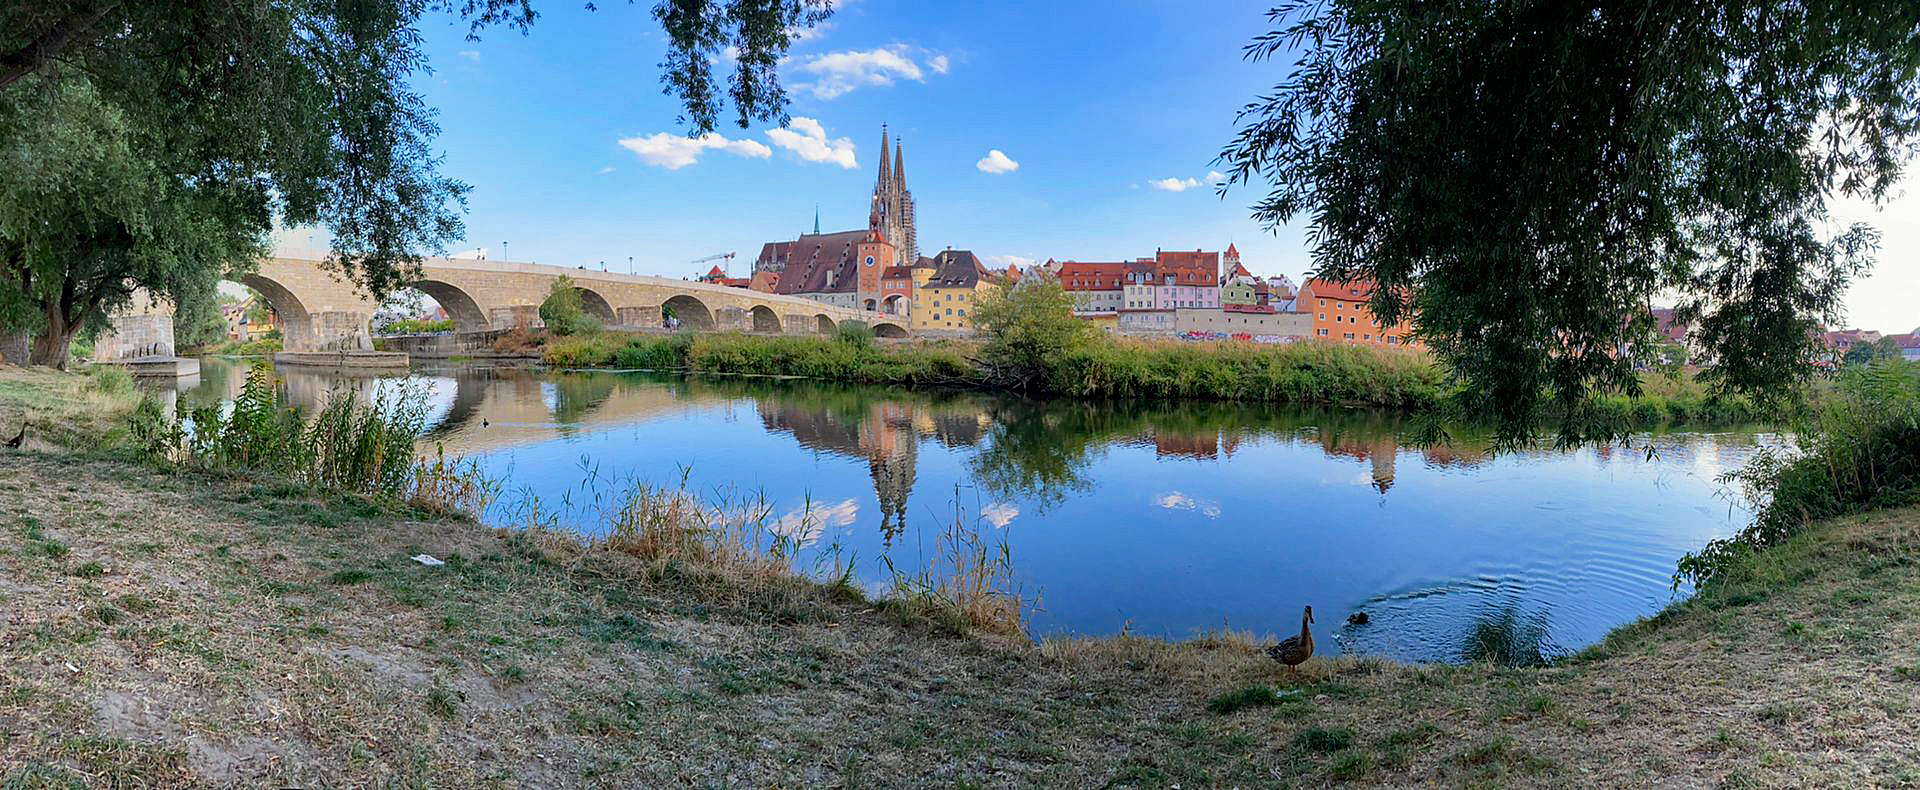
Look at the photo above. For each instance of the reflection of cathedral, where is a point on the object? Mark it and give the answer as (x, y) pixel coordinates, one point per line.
(886, 433)
(1383, 451)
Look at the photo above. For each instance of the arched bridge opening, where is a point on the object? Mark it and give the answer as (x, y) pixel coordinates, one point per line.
(764, 319)
(686, 312)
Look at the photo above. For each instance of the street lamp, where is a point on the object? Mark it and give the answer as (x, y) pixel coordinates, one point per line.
(630, 264)
(503, 252)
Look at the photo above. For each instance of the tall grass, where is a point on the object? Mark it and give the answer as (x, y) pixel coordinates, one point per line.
(347, 446)
(672, 535)
(1859, 449)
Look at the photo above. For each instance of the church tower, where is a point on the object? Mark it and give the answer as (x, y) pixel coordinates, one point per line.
(892, 214)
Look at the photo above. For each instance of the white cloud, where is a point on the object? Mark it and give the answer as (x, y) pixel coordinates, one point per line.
(996, 162)
(673, 151)
(837, 73)
(804, 525)
(807, 139)
(999, 514)
(1174, 500)
(1214, 178)
(938, 63)
(470, 54)
(607, 169)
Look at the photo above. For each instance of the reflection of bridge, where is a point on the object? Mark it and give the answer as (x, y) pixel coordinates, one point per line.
(321, 312)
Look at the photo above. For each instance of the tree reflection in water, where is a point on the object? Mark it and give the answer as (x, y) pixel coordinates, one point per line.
(1509, 638)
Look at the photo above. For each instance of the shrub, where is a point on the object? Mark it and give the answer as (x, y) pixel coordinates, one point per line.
(1859, 450)
(854, 333)
(348, 446)
(1028, 330)
(565, 310)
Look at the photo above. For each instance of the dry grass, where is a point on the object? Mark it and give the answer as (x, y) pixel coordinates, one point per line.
(177, 630)
(64, 409)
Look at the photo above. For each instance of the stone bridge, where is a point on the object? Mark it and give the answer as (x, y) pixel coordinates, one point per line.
(321, 312)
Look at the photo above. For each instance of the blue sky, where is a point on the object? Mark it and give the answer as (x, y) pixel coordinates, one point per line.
(1095, 103)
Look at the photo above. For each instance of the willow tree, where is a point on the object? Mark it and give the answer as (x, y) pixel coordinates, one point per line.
(1526, 177)
(91, 220)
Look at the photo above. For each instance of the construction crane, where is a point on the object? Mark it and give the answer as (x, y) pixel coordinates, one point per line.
(717, 256)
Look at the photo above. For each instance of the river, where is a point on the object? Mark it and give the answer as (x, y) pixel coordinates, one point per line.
(1166, 519)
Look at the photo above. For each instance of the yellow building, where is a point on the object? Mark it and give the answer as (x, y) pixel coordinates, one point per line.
(948, 297)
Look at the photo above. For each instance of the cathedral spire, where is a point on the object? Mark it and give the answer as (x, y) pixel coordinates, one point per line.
(899, 165)
(886, 180)
(816, 219)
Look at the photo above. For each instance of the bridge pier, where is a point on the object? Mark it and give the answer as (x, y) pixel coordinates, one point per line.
(731, 319)
(333, 330)
(514, 315)
(799, 324)
(646, 316)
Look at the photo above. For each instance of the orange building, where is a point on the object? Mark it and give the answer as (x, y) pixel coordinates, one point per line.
(1340, 312)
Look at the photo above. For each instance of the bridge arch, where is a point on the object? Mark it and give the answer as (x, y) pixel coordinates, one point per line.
(892, 305)
(691, 312)
(467, 314)
(296, 324)
(824, 324)
(597, 306)
(764, 319)
(886, 329)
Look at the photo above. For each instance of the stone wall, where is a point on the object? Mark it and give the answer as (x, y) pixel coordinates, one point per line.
(1281, 324)
(148, 334)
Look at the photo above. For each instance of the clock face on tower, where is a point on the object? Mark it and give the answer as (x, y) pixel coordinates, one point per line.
(869, 260)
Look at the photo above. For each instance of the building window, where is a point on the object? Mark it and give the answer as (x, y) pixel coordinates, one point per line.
(950, 312)
(1349, 336)
(963, 311)
(1323, 332)
(1323, 316)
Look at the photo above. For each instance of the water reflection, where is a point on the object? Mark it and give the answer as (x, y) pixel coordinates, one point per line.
(1174, 517)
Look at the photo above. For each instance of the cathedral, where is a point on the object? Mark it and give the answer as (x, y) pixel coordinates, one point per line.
(892, 212)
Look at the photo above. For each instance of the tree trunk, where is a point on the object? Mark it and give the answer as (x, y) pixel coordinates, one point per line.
(13, 347)
(51, 348)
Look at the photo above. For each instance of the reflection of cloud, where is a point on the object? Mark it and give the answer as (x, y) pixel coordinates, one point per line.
(1174, 500)
(999, 513)
(803, 525)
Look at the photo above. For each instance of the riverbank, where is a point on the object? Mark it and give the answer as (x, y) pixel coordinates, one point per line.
(1309, 373)
(176, 629)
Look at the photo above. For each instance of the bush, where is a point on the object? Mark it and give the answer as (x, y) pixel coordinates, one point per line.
(854, 333)
(1859, 450)
(365, 449)
(1029, 332)
(565, 310)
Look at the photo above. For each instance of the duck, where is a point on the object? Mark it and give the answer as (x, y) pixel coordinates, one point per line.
(19, 438)
(1357, 618)
(1295, 650)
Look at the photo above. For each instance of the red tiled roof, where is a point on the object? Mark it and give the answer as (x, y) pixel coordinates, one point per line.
(716, 272)
(1247, 308)
(896, 273)
(1356, 291)
(1188, 268)
(764, 281)
(822, 263)
(1088, 276)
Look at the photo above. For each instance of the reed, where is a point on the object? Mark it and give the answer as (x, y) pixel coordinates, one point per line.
(348, 446)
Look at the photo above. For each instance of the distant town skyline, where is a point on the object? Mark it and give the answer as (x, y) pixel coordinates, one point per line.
(1068, 131)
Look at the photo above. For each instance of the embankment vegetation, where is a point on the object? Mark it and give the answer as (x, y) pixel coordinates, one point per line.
(1301, 373)
(190, 624)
